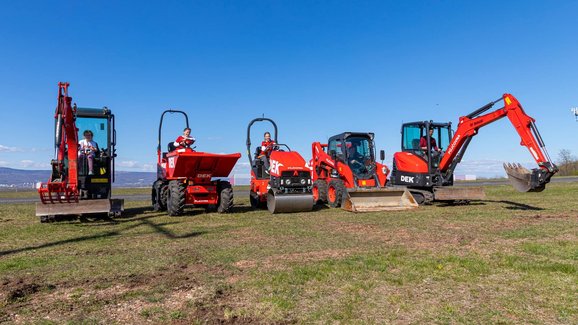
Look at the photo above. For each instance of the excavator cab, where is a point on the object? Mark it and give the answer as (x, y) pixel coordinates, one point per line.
(417, 134)
(100, 122)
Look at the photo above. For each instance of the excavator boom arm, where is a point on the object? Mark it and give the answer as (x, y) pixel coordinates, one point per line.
(525, 126)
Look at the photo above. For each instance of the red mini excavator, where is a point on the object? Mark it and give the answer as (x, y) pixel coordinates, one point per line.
(424, 168)
(287, 186)
(72, 189)
(186, 178)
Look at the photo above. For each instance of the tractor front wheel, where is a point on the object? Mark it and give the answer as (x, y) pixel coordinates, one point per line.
(320, 191)
(176, 199)
(335, 192)
(225, 197)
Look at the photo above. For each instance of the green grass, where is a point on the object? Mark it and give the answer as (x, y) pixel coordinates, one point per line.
(510, 259)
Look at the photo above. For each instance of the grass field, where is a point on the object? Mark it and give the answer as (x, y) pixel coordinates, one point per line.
(510, 259)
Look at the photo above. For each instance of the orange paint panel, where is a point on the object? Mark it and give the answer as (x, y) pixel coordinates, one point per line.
(409, 162)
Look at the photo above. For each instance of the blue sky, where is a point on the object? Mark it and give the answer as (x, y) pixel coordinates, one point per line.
(317, 67)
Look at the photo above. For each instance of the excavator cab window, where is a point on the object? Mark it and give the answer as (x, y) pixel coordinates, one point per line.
(100, 130)
(412, 134)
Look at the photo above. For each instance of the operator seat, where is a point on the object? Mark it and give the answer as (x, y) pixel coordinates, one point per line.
(171, 146)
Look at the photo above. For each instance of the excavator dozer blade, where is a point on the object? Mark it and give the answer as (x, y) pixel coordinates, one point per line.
(525, 180)
(82, 207)
(368, 200)
(285, 203)
(457, 193)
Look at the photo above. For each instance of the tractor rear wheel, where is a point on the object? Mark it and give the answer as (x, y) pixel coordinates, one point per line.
(320, 191)
(159, 196)
(176, 199)
(335, 192)
(225, 197)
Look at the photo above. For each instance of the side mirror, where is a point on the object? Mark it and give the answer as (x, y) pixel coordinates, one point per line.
(382, 155)
(333, 154)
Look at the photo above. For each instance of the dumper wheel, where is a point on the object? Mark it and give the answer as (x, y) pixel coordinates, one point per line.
(335, 192)
(225, 197)
(176, 199)
(319, 191)
(159, 196)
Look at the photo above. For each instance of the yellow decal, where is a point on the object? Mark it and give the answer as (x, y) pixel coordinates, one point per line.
(102, 170)
(508, 100)
(99, 180)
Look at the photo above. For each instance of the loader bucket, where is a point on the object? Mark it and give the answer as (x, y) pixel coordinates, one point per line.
(82, 207)
(367, 200)
(525, 180)
(285, 203)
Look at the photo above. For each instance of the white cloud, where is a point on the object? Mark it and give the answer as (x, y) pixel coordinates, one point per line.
(4, 163)
(26, 163)
(4, 148)
(133, 164)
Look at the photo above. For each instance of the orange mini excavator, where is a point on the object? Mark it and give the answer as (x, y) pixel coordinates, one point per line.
(423, 167)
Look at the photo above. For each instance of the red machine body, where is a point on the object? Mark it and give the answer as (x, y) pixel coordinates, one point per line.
(63, 185)
(186, 177)
(287, 185)
(71, 189)
(346, 174)
(426, 170)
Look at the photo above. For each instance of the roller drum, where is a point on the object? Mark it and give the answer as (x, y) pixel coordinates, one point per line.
(285, 203)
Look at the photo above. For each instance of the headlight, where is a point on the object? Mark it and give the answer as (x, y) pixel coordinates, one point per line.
(287, 181)
(384, 170)
(303, 181)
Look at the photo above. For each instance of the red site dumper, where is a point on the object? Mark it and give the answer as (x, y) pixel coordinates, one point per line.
(186, 178)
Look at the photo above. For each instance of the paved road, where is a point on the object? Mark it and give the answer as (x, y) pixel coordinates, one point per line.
(245, 193)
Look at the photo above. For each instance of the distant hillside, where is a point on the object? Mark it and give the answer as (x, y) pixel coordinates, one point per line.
(20, 178)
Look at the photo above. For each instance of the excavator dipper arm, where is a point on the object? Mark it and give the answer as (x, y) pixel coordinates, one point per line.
(523, 179)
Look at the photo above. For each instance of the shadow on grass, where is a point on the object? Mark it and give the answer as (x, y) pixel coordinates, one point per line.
(140, 221)
(516, 206)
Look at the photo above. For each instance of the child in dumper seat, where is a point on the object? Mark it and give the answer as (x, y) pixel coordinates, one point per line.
(87, 150)
(184, 140)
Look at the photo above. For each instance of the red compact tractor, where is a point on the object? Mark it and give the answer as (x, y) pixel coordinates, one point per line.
(185, 178)
(346, 175)
(287, 186)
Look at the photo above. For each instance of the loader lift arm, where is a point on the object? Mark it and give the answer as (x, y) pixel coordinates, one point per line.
(468, 127)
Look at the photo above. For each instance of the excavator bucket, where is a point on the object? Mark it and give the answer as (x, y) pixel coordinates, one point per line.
(525, 180)
(368, 200)
(285, 203)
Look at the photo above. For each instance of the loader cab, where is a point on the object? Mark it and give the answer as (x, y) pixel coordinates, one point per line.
(100, 121)
(415, 133)
(357, 150)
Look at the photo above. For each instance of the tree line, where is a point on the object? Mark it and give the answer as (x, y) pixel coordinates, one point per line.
(567, 163)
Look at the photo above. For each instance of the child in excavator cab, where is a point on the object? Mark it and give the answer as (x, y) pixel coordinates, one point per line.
(87, 149)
